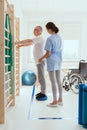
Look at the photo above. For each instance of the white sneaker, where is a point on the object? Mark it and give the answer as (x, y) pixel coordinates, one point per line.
(60, 103)
(52, 105)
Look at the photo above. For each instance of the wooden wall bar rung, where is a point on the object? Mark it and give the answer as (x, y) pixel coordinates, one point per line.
(7, 89)
(7, 48)
(7, 81)
(9, 72)
(7, 64)
(17, 54)
(7, 56)
(9, 104)
(7, 39)
(7, 30)
(9, 97)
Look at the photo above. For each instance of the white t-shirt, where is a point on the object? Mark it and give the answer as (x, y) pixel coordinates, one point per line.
(38, 50)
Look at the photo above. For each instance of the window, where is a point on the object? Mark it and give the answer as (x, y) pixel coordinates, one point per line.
(71, 41)
(70, 50)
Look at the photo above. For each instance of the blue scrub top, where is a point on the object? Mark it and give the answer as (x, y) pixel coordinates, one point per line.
(54, 45)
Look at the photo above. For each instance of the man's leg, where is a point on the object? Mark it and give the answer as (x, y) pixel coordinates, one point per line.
(41, 78)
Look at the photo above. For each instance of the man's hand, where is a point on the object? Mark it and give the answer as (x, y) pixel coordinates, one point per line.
(19, 45)
(17, 42)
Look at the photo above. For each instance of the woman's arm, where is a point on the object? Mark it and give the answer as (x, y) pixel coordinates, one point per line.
(47, 54)
(26, 42)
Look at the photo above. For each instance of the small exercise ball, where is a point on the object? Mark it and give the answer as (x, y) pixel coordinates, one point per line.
(28, 78)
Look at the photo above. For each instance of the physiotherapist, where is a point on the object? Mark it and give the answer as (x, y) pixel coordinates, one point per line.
(53, 55)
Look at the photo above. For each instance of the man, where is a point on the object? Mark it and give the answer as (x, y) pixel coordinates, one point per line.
(38, 51)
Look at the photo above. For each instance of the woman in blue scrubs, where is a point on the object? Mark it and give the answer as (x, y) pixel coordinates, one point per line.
(53, 55)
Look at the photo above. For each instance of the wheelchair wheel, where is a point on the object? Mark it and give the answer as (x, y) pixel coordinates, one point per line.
(65, 83)
(74, 80)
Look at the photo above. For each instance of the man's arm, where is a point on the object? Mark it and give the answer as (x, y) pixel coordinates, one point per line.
(26, 42)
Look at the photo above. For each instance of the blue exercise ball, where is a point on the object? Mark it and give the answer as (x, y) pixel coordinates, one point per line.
(28, 78)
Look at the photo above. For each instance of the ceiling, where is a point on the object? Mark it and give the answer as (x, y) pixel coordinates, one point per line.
(53, 5)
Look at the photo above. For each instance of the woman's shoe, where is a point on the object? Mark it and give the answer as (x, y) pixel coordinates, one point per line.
(60, 103)
(52, 105)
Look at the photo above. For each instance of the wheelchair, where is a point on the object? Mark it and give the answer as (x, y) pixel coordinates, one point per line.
(75, 77)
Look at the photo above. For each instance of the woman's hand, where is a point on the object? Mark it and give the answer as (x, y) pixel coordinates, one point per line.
(46, 55)
(40, 60)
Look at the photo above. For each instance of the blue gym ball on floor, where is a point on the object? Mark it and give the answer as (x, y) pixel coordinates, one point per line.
(28, 78)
